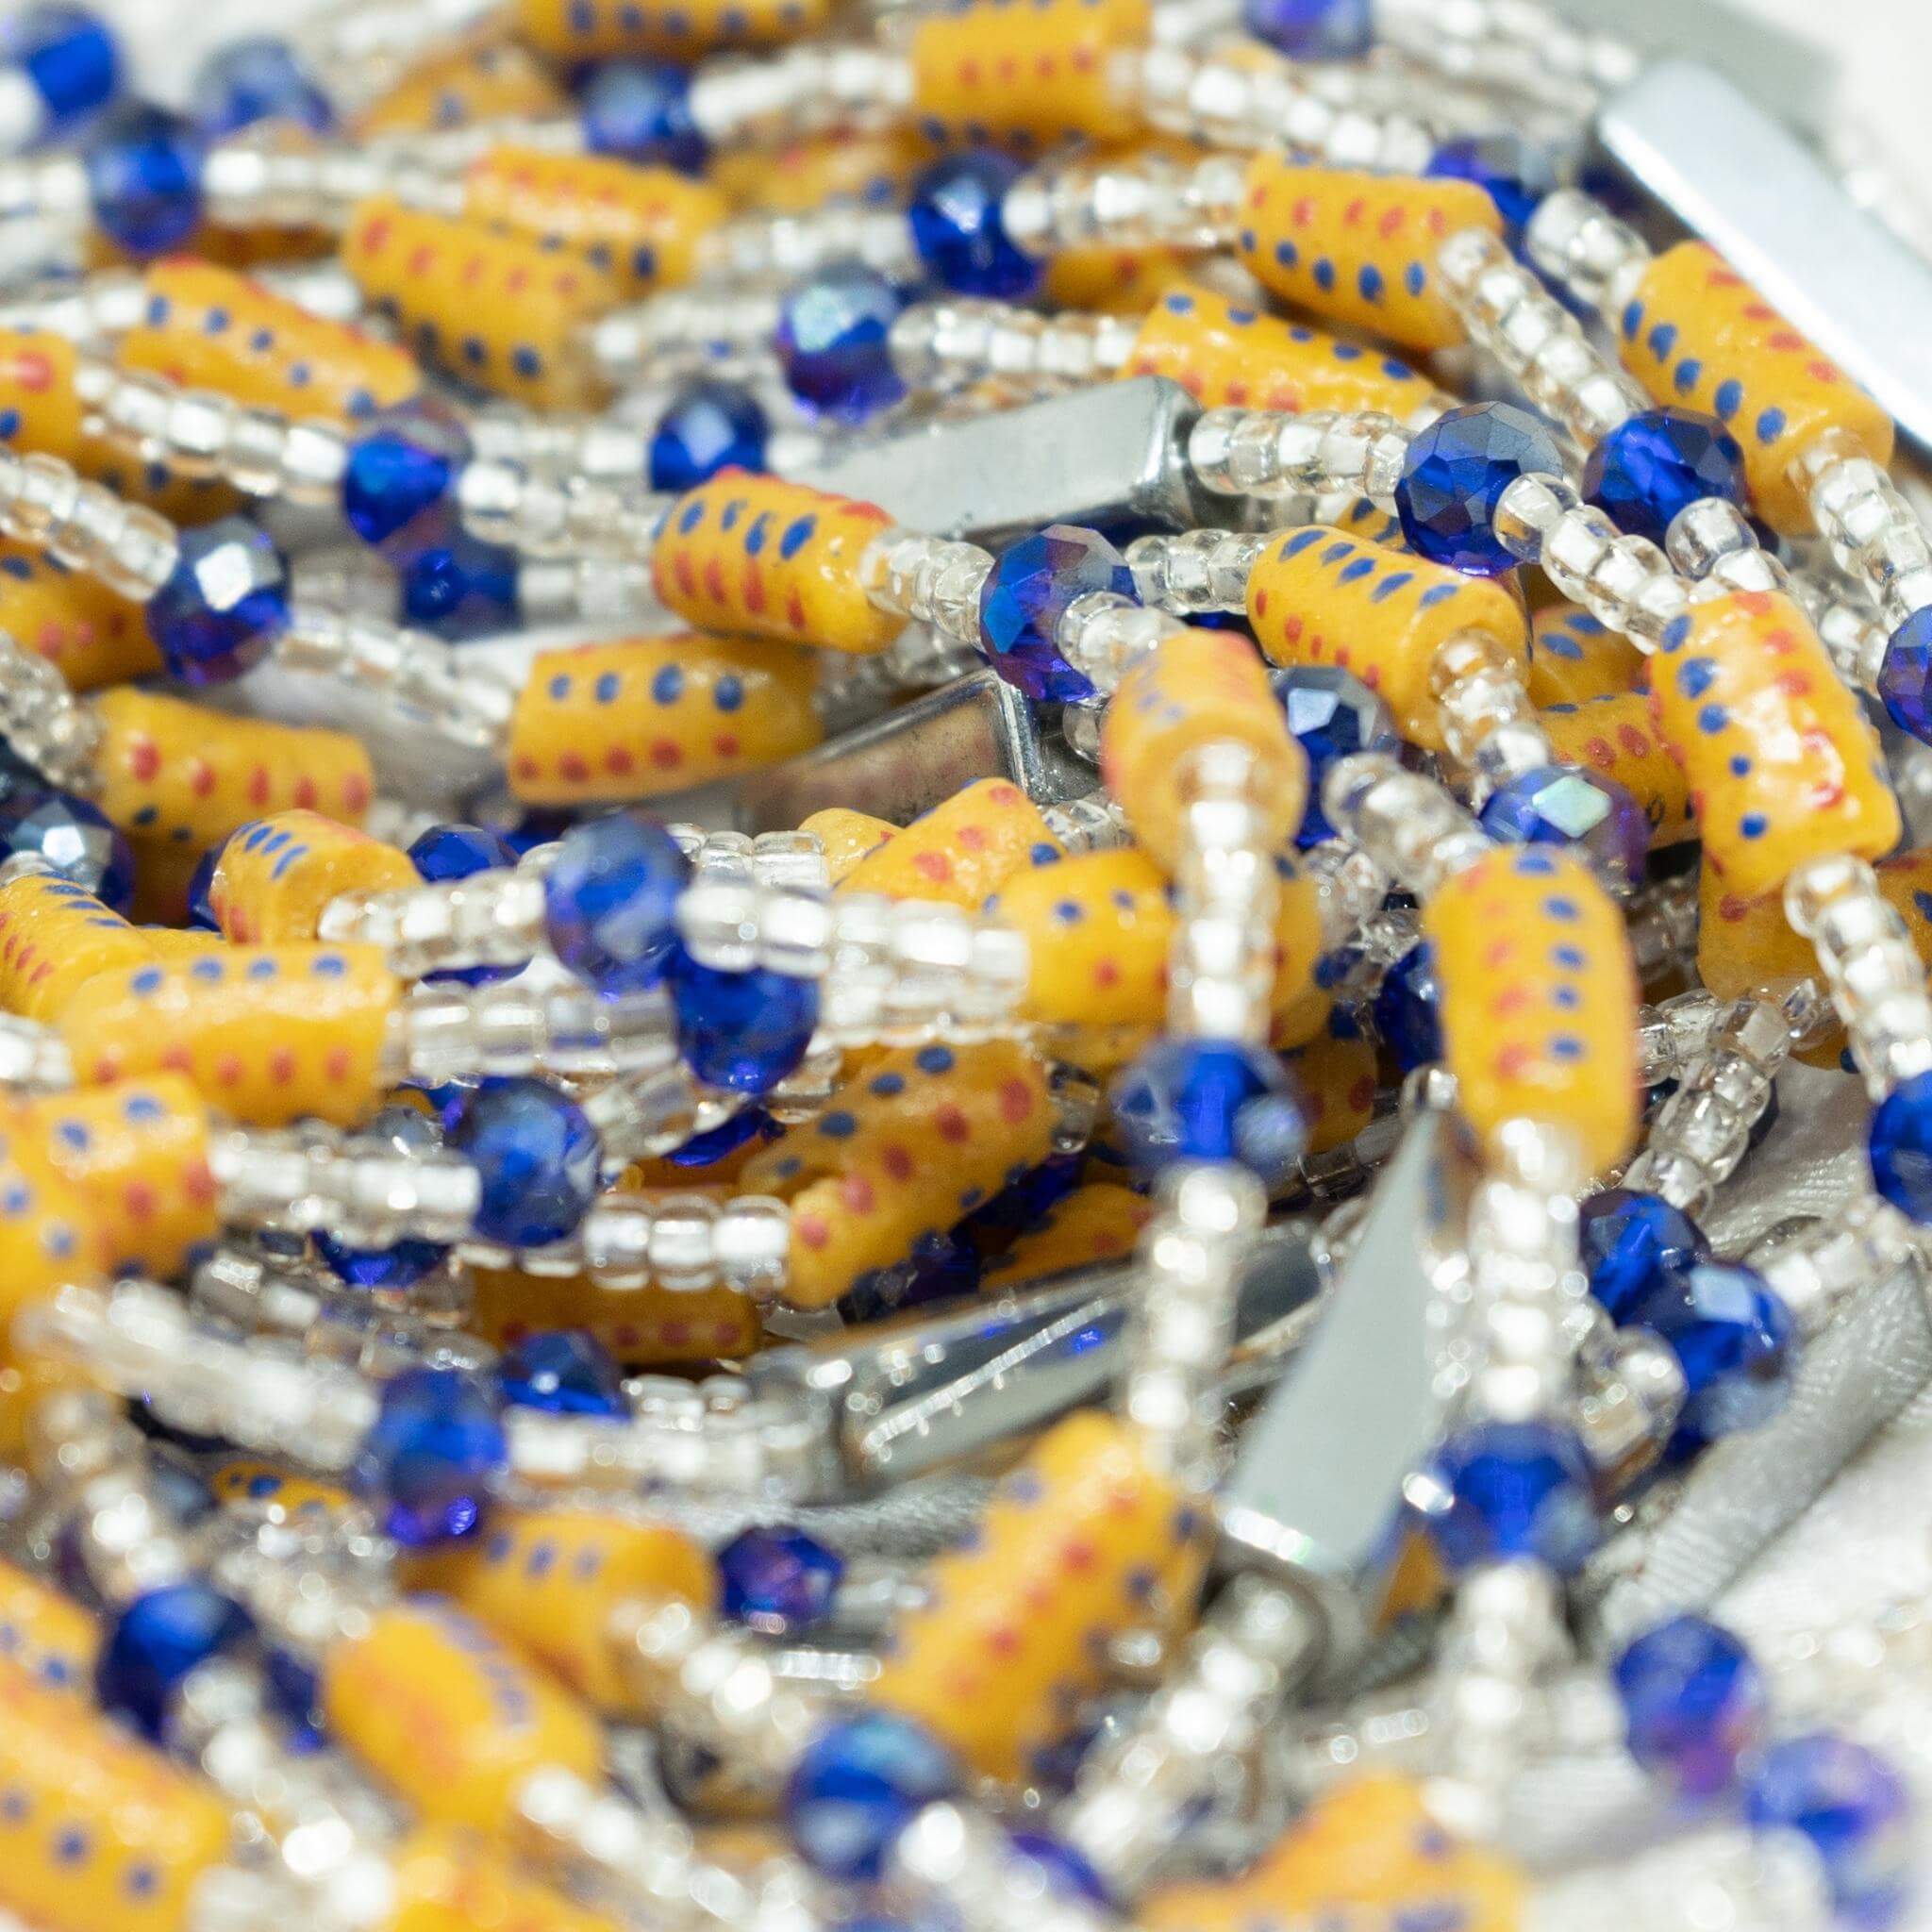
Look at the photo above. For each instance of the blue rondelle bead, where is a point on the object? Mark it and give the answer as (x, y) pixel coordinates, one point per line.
(610, 901)
(460, 851)
(1188, 1100)
(1694, 1703)
(74, 836)
(402, 468)
(1631, 1243)
(744, 1031)
(1515, 172)
(641, 110)
(1658, 462)
(1904, 677)
(1027, 592)
(143, 176)
(959, 226)
(400, 1265)
(69, 56)
(1311, 30)
(536, 1155)
(832, 339)
(433, 1460)
(156, 1641)
(460, 587)
(1591, 816)
(707, 426)
(1508, 1490)
(1853, 1808)
(1456, 469)
(1734, 1338)
(224, 605)
(778, 1580)
(1331, 715)
(257, 79)
(856, 1787)
(1407, 1009)
(565, 1370)
(1900, 1145)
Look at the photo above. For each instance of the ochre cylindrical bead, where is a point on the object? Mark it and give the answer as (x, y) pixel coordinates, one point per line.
(843, 166)
(1697, 336)
(266, 1034)
(1539, 1000)
(1359, 249)
(278, 1493)
(1618, 737)
(761, 558)
(1337, 1070)
(650, 715)
(965, 847)
(1573, 658)
(1094, 1224)
(1098, 927)
(454, 1881)
(56, 936)
(497, 310)
(1086, 1537)
(91, 636)
(37, 376)
(1323, 597)
(847, 837)
(464, 86)
(576, 30)
(642, 1327)
(275, 876)
(1781, 761)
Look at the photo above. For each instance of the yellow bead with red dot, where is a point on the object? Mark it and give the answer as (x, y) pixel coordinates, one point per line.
(1573, 658)
(37, 376)
(56, 936)
(1098, 928)
(963, 849)
(1618, 737)
(847, 836)
(1337, 1073)
(876, 167)
(1094, 1224)
(463, 85)
(648, 1328)
(89, 634)
(276, 874)
(602, 29)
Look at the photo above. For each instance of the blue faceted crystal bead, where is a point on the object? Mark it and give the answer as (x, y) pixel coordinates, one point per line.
(641, 110)
(565, 1370)
(460, 587)
(434, 1458)
(257, 79)
(1904, 677)
(402, 468)
(460, 851)
(224, 605)
(1658, 462)
(1900, 1144)
(744, 1031)
(156, 1641)
(1067, 1869)
(1855, 1810)
(1187, 1100)
(74, 836)
(401, 1265)
(1027, 594)
(536, 1155)
(1515, 172)
(1499, 1490)
(727, 1137)
(1735, 1340)
(1332, 715)
(1311, 30)
(1632, 1244)
(1407, 1009)
(707, 426)
(778, 1580)
(856, 1787)
(70, 57)
(1694, 1703)
(1591, 816)
(832, 342)
(1455, 472)
(201, 884)
(610, 901)
(959, 229)
(143, 176)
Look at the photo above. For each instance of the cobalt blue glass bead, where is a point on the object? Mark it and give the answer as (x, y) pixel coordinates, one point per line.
(641, 110)
(856, 1787)
(1027, 594)
(701, 1150)
(1505, 1490)
(460, 852)
(257, 79)
(778, 1580)
(435, 1456)
(741, 1030)
(143, 176)
(74, 836)
(460, 587)
(832, 341)
(69, 56)
(565, 1370)
(1694, 1703)
(1407, 1009)
(402, 468)
(537, 1157)
(610, 901)
(1456, 469)
(225, 603)
(1591, 816)
(959, 229)
(1735, 1339)
(707, 426)
(201, 908)
(1067, 1869)
(1332, 715)
(1900, 1144)
(1853, 1808)
(1654, 465)
(1513, 171)
(401, 1265)
(1631, 1244)
(1904, 677)
(156, 1641)
(1311, 30)
(1186, 1100)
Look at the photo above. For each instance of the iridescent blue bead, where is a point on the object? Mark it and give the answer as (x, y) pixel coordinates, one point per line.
(225, 603)
(1311, 30)
(1456, 469)
(156, 1641)
(143, 176)
(778, 1580)
(641, 109)
(1067, 1869)
(1593, 817)
(201, 884)
(1855, 1810)
(1735, 1339)
(1188, 1100)
(402, 468)
(435, 1456)
(460, 851)
(610, 901)
(400, 1265)
(69, 56)
(1513, 171)
(1904, 677)
(832, 341)
(74, 836)
(1631, 1244)
(1900, 1144)
(1658, 462)
(1332, 715)
(536, 1155)
(1694, 1703)
(1499, 1490)
(563, 1371)
(959, 229)
(1027, 594)
(856, 1787)
(1407, 1009)
(744, 1031)
(460, 587)
(707, 426)
(257, 79)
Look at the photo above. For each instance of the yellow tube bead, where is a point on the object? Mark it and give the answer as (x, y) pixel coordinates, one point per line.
(25, 1384)
(648, 1328)
(1336, 1072)
(1697, 336)
(847, 836)
(275, 877)
(1323, 597)
(927, 1134)
(277, 1493)
(1366, 518)
(639, 225)
(55, 937)
(1098, 927)
(1781, 759)
(266, 1034)
(1199, 688)
(1618, 737)
(44, 1633)
(1573, 658)
(1026, 76)
(1224, 355)
(209, 328)
(552, 1582)
(37, 375)
(496, 310)
(1114, 281)
(967, 847)
(449, 1717)
(761, 558)
(1084, 1538)
(598, 29)
(463, 85)
(87, 634)
(847, 166)
(651, 715)
(1539, 1000)
(1095, 1224)
(99, 1829)
(454, 1881)
(1359, 249)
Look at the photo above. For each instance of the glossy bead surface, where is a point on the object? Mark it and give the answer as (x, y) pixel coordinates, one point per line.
(960, 232)
(1188, 1100)
(400, 1265)
(70, 56)
(537, 1157)
(1735, 1339)
(460, 851)
(744, 1031)
(1331, 715)
(705, 427)
(402, 469)
(74, 836)
(778, 1580)
(1585, 812)
(1659, 462)
(1631, 1243)
(1694, 1702)
(1027, 594)
(1311, 30)
(225, 607)
(1067, 1871)
(1853, 1808)
(459, 587)
(1407, 1011)
(641, 110)
(1904, 677)
(201, 911)
(1513, 171)
(1502, 1491)
(433, 1460)
(1900, 1148)
(610, 901)
(143, 176)
(257, 79)
(563, 1371)
(157, 1641)
(1456, 469)
(857, 1785)
(832, 341)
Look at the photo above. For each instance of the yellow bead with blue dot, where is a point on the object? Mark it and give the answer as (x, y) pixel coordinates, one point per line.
(87, 633)
(648, 1328)
(1573, 658)
(966, 847)
(475, 81)
(1098, 928)
(276, 874)
(1618, 737)
(663, 29)
(45, 1633)
(1095, 1225)
(278, 1494)
(847, 837)
(56, 936)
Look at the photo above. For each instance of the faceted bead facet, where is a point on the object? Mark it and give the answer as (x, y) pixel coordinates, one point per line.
(201, 909)
(707, 426)
(1514, 171)
(143, 176)
(857, 1785)
(1694, 1701)
(744, 1031)
(1904, 677)
(257, 79)
(458, 587)
(1407, 1009)
(402, 468)
(778, 1580)
(641, 110)
(537, 1157)
(226, 605)
(1632, 1244)
(460, 851)
(1658, 462)
(400, 1265)
(1588, 814)
(1853, 1808)
(1027, 592)
(1501, 1491)
(1332, 715)
(73, 835)
(68, 55)
(565, 1370)
(832, 339)
(1733, 1336)
(1188, 1100)
(435, 1456)
(1456, 469)
(1311, 30)
(610, 901)
(156, 1641)
(959, 231)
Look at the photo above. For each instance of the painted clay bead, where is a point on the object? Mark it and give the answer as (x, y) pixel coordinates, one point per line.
(1337, 1070)
(1098, 929)
(961, 850)
(648, 1328)
(48, 1635)
(1618, 737)
(1114, 281)
(845, 166)
(1573, 658)
(56, 936)
(277, 1493)
(48, 1233)
(463, 85)
(274, 875)
(89, 634)
(597, 29)
(36, 371)
(453, 1881)
(847, 836)
(1094, 1224)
